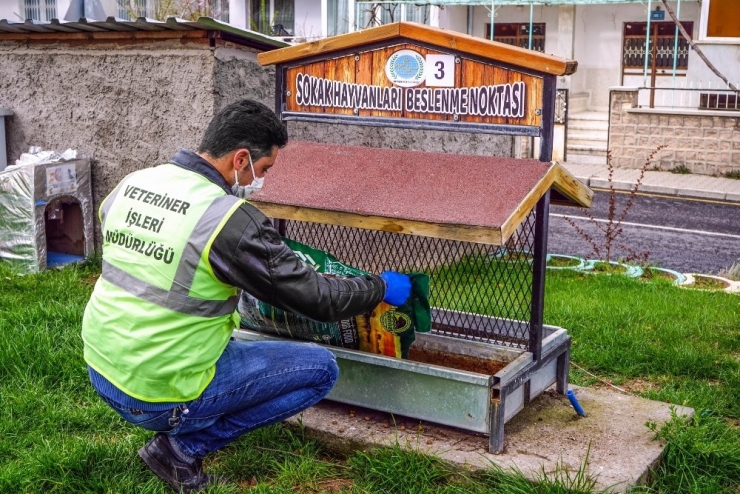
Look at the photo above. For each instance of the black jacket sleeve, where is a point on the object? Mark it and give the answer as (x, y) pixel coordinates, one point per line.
(248, 253)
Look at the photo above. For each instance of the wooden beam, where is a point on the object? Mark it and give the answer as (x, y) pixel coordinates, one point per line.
(464, 233)
(558, 178)
(444, 39)
(493, 50)
(571, 187)
(526, 206)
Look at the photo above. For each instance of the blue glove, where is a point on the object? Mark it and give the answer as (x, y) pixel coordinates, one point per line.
(397, 288)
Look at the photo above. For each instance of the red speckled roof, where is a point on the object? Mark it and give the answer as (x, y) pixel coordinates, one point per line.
(431, 187)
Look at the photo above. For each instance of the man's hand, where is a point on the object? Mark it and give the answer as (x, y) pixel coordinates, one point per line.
(397, 288)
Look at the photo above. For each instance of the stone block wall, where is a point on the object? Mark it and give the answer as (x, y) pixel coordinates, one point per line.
(703, 143)
(125, 107)
(411, 139)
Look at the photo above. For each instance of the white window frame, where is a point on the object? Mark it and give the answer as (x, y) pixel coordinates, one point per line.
(325, 17)
(151, 8)
(433, 20)
(704, 26)
(271, 15)
(43, 6)
(125, 15)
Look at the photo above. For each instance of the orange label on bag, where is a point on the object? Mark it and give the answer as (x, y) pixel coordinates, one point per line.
(381, 335)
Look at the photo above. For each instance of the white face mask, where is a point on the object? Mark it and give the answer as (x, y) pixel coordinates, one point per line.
(244, 191)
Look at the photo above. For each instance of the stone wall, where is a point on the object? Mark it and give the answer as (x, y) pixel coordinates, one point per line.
(412, 139)
(126, 108)
(703, 142)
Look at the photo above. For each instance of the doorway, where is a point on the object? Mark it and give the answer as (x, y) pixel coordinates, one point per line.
(64, 227)
(660, 54)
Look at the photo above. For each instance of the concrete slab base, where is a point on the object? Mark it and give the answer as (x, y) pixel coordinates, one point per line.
(546, 433)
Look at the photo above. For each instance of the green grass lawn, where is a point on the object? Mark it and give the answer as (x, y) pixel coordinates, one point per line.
(653, 339)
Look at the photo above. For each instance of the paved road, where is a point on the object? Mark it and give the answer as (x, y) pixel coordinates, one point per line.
(690, 236)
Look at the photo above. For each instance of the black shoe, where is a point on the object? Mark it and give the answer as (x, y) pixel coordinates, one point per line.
(183, 476)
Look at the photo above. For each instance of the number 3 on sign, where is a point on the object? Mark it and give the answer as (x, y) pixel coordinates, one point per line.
(440, 70)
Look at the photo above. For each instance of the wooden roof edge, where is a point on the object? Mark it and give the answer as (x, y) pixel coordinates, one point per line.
(442, 38)
(570, 187)
(556, 177)
(448, 231)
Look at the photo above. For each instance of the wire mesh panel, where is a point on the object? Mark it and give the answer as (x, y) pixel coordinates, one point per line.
(478, 292)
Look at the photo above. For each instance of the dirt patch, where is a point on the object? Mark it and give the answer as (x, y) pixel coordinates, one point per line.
(334, 485)
(634, 387)
(453, 361)
(638, 386)
(248, 484)
(90, 279)
(707, 283)
(605, 267)
(563, 262)
(653, 274)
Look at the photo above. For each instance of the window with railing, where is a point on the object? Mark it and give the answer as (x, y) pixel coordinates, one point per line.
(378, 14)
(133, 9)
(517, 34)
(162, 9)
(661, 46)
(40, 10)
(719, 101)
(273, 17)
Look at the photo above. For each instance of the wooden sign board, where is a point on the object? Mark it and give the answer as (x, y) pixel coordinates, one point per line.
(414, 76)
(414, 82)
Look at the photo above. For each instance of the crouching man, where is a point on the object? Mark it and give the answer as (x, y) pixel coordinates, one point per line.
(179, 241)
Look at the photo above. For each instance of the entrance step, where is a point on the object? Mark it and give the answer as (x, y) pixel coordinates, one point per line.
(589, 115)
(588, 136)
(599, 136)
(577, 102)
(587, 147)
(576, 125)
(586, 159)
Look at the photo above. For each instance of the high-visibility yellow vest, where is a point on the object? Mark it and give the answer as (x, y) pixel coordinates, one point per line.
(159, 319)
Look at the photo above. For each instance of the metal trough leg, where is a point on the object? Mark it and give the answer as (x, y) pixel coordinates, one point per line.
(563, 371)
(496, 435)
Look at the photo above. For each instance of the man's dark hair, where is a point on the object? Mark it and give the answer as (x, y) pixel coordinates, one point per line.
(244, 124)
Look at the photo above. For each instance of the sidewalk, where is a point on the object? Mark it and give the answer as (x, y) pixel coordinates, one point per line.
(665, 183)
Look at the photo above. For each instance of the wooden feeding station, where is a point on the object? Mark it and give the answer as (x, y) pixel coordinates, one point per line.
(476, 224)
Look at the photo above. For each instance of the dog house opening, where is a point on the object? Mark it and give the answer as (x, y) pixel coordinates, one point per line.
(65, 237)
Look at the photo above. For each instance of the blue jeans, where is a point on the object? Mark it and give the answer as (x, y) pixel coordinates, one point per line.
(256, 384)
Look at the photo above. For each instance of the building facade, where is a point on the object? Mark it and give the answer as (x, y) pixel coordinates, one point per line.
(632, 59)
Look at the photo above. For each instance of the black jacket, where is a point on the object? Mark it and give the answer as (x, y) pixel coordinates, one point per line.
(249, 254)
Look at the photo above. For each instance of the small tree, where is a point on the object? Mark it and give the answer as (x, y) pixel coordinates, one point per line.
(603, 245)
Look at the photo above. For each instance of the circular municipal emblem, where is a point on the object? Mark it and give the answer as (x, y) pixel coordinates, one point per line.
(405, 68)
(395, 322)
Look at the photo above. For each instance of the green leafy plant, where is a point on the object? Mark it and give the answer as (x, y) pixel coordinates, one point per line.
(733, 272)
(703, 443)
(680, 170)
(735, 174)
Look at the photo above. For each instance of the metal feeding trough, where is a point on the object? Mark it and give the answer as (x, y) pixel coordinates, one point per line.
(476, 225)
